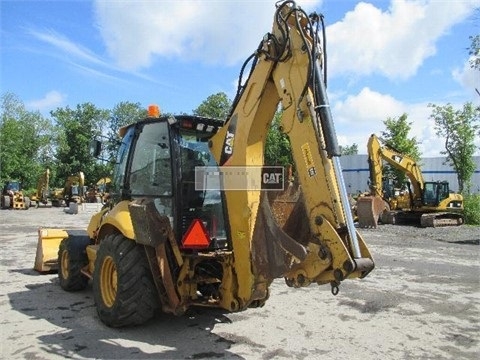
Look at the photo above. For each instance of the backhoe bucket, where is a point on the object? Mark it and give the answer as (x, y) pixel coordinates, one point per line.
(49, 241)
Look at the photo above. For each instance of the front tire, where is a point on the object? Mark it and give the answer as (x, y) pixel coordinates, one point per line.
(71, 260)
(123, 287)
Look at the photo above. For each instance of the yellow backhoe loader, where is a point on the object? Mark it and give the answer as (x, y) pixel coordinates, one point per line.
(424, 203)
(189, 222)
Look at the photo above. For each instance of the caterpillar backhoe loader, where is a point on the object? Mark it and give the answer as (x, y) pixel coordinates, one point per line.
(425, 203)
(42, 193)
(189, 222)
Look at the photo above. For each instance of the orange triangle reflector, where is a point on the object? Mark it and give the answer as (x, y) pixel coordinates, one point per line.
(196, 236)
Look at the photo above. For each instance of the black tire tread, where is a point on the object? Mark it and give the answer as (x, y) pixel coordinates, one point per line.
(76, 281)
(137, 299)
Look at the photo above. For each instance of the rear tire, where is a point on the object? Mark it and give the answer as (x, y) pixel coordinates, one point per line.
(123, 287)
(6, 203)
(71, 260)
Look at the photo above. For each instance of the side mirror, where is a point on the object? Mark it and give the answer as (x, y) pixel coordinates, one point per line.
(95, 148)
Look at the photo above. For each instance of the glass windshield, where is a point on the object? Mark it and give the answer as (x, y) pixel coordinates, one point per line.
(434, 192)
(430, 194)
(13, 186)
(151, 172)
(121, 163)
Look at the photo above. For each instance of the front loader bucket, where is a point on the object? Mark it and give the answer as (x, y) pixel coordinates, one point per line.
(49, 241)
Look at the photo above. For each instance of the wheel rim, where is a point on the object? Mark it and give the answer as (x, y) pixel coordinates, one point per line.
(65, 259)
(108, 281)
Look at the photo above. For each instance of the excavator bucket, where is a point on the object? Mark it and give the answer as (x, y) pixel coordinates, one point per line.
(369, 209)
(49, 241)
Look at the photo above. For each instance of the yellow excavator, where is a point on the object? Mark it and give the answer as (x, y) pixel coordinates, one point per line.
(424, 203)
(189, 222)
(43, 192)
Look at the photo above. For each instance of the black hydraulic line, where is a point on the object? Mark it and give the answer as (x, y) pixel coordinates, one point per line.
(240, 87)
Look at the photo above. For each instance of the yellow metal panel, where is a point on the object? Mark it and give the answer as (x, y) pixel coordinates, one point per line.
(118, 217)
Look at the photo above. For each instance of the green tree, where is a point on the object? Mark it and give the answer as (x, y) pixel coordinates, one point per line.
(458, 129)
(277, 144)
(396, 136)
(124, 113)
(474, 52)
(24, 142)
(474, 48)
(215, 106)
(349, 149)
(75, 128)
(278, 150)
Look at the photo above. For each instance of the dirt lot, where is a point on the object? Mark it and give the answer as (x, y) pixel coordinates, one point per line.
(421, 302)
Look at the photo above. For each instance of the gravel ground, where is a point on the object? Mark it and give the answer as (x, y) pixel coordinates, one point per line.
(422, 301)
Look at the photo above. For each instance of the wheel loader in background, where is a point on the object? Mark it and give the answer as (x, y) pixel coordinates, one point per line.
(13, 197)
(189, 223)
(42, 194)
(424, 203)
(56, 197)
(99, 192)
(73, 191)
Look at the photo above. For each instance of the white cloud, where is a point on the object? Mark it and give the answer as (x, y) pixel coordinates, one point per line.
(468, 77)
(395, 42)
(213, 32)
(360, 115)
(66, 46)
(51, 100)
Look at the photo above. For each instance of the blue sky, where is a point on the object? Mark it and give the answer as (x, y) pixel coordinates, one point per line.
(385, 58)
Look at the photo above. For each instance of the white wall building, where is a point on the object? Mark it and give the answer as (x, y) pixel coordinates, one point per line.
(356, 174)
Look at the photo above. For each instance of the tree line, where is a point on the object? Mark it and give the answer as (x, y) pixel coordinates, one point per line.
(30, 142)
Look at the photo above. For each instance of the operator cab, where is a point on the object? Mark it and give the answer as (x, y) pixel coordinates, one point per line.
(12, 186)
(435, 192)
(157, 160)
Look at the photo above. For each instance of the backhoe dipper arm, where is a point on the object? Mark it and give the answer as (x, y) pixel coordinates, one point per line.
(323, 245)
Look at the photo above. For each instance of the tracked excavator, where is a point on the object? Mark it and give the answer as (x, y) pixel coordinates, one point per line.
(424, 203)
(189, 223)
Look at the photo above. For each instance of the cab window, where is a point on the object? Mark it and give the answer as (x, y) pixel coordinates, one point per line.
(151, 171)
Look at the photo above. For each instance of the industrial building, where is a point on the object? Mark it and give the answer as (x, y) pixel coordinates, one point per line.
(356, 173)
